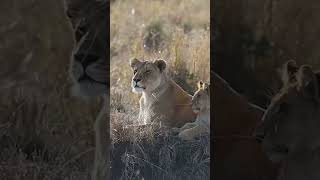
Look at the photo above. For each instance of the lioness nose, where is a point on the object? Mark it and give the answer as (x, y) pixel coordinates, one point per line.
(136, 79)
(259, 138)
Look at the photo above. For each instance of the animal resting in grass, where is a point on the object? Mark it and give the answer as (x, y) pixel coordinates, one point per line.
(200, 105)
(162, 101)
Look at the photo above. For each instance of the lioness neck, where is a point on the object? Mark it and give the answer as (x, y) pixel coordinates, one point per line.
(203, 118)
(164, 85)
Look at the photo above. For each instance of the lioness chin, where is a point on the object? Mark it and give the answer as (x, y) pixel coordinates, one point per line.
(162, 100)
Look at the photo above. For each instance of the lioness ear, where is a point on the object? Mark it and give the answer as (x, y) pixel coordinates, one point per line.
(200, 85)
(289, 70)
(308, 82)
(134, 62)
(161, 64)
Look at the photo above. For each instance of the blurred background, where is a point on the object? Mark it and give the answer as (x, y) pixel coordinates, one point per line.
(252, 40)
(45, 132)
(176, 31)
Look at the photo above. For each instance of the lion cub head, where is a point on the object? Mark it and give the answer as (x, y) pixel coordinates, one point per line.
(201, 98)
(147, 75)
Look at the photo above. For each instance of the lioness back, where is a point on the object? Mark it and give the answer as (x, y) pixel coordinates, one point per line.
(183, 107)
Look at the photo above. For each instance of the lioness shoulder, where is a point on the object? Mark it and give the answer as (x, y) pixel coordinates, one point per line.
(162, 99)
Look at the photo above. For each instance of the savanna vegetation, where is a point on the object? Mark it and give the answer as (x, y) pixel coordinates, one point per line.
(178, 32)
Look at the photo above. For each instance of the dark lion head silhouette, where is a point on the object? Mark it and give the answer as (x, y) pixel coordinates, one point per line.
(88, 68)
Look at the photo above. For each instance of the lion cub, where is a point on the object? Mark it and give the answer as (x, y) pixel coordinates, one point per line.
(162, 99)
(200, 105)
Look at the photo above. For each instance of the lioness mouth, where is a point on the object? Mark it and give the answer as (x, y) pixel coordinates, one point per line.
(85, 77)
(136, 86)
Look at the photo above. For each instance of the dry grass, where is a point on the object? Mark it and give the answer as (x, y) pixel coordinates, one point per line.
(46, 136)
(156, 153)
(185, 41)
(177, 31)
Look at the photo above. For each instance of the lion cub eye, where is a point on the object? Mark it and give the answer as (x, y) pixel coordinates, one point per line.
(135, 71)
(148, 71)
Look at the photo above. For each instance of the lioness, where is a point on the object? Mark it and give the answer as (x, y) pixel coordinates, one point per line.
(162, 99)
(290, 127)
(200, 105)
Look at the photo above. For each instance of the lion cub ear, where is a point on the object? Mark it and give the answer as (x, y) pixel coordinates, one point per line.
(134, 62)
(200, 85)
(161, 64)
(308, 82)
(290, 68)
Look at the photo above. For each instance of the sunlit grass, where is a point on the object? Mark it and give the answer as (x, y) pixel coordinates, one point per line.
(185, 41)
(178, 32)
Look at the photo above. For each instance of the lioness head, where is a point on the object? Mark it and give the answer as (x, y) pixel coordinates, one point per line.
(201, 98)
(291, 122)
(147, 75)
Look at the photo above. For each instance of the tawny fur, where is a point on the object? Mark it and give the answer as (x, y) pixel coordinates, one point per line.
(162, 101)
(201, 106)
